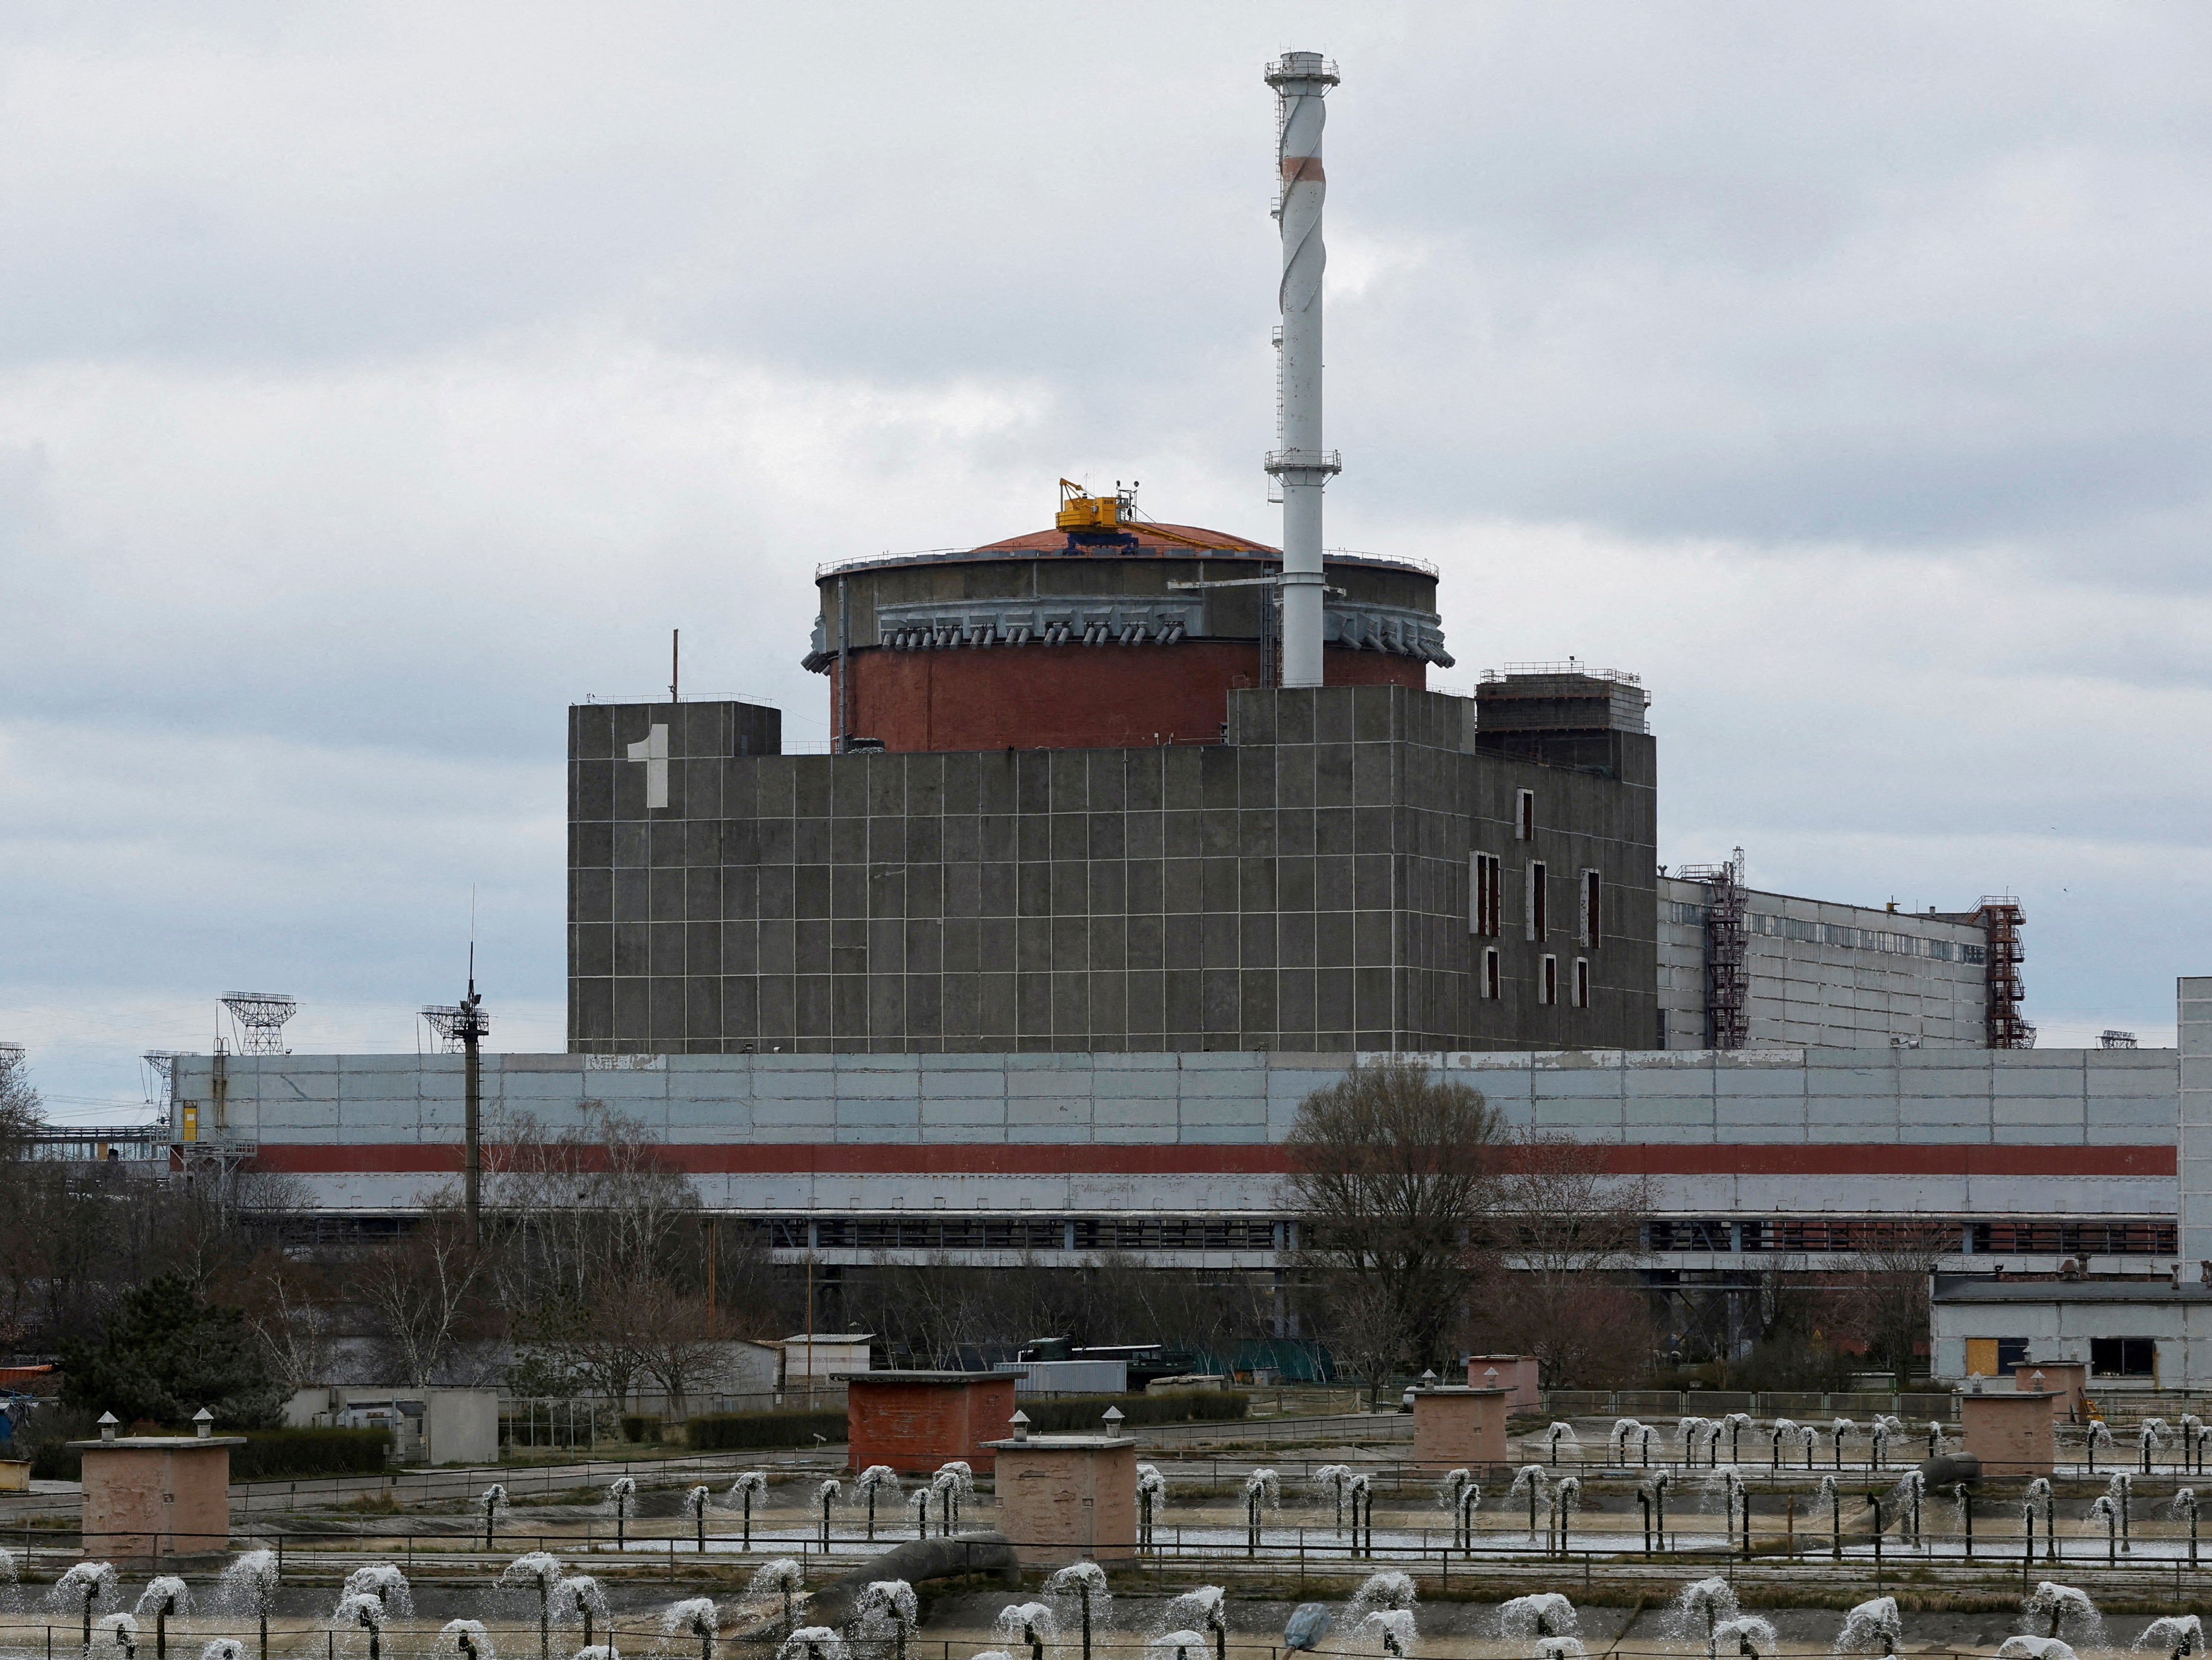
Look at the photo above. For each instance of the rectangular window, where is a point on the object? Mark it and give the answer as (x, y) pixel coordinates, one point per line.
(1582, 982)
(1486, 895)
(2123, 1357)
(1662, 1029)
(1592, 894)
(2012, 1352)
(1524, 816)
(1547, 987)
(1489, 972)
(1536, 899)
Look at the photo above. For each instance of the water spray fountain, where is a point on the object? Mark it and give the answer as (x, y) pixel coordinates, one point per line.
(2178, 1635)
(1545, 1614)
(1831, 1490)
(1557, 1435)
(1885, 1426)
(2098, 1434)
(779, 1576)
(224, 1648)
(165, 1594)
(1837, 1431)
(1627, 1433)
(1736, 1423)
(2184, 1504)
(86, 1589)
(813, 1643)
(748, 1486)
(2121, 1490)
(891, 1602)
(1029, 1622)
(2035, 1648)
(1653, 1494)
(494, 1507)
(578, 1599)
(1382, 1608)
(465, 1639)
(1910, 1493)
(1262, 1491)
(1532, 1481)
(540, 1572)
(121, 1631)
(824, 1496)
(694, 1616)
(694, 1506)
(1362, 1495)
(2050, 1605)
(2037, 1493)
(950, 1481)
(1333, 1477)
(1152, 1497)
(385, 1584)
(2152, 1434)
(1085, 1585)
(622, 1489)
(1699, 1609)
(1747, 1635)
(249, 1585)
(1453, 1495)
(1204, 1610)
(1872, 1626)
(364, 1610)
(1566, 1499)
(877, 1477)
(1689, 1431)
(1784, 1429)
(2192, 1430)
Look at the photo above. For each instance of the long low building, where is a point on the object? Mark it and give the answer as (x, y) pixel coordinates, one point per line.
(2030, 1156)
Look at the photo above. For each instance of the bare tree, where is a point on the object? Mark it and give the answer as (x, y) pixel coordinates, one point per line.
(1564, 1233)
(21, 1111)
(683, 1344)
(424, 1293)
(1885, 1304)
(1392, 1172)
(289, 1307)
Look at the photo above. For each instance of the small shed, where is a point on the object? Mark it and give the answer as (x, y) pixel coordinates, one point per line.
(820, 1359)
(916, 1421)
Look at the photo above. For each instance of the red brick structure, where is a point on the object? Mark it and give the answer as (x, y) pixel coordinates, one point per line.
(1518, 1375)
(915, 1421)
(1115, 634)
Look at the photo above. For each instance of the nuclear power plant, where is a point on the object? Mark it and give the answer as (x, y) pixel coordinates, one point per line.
(1134, 833)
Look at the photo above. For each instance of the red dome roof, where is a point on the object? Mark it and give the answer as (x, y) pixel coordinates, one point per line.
(1151, 538)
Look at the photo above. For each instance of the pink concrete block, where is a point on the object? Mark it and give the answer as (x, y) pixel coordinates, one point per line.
(1453, 1427)
(152, 1496)
(1519, 1375)
(2011, 1434)
(1068, 1499)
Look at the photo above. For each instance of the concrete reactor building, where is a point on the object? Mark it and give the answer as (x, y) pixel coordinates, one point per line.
(1134, 834)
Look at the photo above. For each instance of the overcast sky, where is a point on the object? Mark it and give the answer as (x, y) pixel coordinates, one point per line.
(376, 381)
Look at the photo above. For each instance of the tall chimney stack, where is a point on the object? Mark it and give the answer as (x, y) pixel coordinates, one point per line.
(1300, 81)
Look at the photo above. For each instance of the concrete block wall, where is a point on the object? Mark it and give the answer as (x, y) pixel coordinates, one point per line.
(1302, 886)
(2194, 1000)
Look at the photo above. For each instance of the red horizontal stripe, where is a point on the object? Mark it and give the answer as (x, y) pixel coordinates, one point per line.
(1201, 1158)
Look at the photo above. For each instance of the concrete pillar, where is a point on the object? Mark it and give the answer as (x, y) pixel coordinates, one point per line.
(2011, 1434)
(1454, 1426)
(1068, 1499)
(157, 1496)
(2193, 1014)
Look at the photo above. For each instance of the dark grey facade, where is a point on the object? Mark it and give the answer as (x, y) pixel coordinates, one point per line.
(1304, 886)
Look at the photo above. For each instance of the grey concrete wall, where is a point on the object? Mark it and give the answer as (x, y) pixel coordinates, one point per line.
(1302, 887)
(1157, 1103)
(1889, 984)
(2194, 999)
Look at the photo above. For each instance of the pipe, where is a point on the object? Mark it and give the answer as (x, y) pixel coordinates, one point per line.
(1300, 81)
